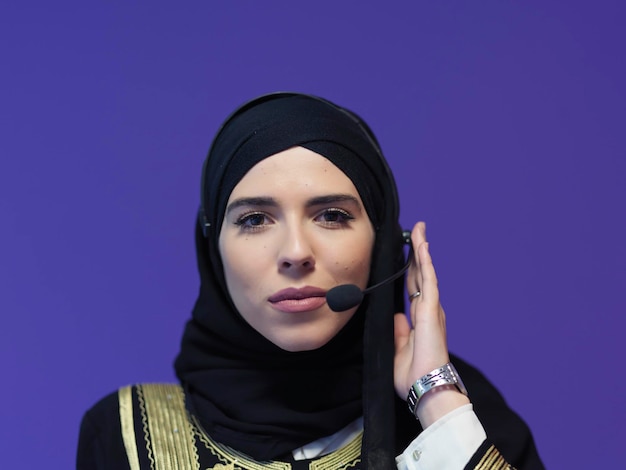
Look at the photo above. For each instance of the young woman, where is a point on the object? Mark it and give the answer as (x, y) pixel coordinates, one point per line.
(296, 200)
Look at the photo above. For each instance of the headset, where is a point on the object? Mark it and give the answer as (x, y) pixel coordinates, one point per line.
(365, 129)
(345, 296)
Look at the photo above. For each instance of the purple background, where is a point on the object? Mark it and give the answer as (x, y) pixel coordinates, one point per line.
(503, 121)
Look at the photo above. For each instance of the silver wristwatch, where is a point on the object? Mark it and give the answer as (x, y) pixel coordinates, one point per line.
(445, 375)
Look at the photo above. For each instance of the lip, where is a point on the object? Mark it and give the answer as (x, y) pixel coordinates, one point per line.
(294, 300)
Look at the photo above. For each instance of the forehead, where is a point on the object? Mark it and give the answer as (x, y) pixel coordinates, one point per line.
(292, 171)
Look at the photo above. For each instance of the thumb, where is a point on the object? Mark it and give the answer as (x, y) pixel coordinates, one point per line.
(401, 330)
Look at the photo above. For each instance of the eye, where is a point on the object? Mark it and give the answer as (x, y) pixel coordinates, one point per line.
(253, 221)
(334, 217)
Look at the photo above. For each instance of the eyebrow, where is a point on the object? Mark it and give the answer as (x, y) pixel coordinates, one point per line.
(332, 198)
(271, 202)
(251, 201)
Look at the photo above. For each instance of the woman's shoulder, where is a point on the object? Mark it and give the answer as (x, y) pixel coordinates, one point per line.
(110, 420)
(100, 438)
(108, 412)
(504, 427)
(506, 430)
(103, 408)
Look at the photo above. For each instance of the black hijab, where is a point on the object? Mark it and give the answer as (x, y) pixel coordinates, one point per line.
(247, 392)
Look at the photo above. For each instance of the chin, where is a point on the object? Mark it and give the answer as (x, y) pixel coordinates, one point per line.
(301, 344)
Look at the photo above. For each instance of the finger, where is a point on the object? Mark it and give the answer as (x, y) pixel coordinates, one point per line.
(401, 331)
(413, 280)
(412, 285)
(418, 236)
(429, 282)
(425, 275)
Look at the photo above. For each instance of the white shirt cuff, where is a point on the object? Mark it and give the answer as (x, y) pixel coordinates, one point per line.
(448, 444)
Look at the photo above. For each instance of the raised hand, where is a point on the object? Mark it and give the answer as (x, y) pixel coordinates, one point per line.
(421, 345)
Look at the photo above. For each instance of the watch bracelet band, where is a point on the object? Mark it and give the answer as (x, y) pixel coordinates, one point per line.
(444, 375)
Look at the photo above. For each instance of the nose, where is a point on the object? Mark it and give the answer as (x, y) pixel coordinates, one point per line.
(296, 252)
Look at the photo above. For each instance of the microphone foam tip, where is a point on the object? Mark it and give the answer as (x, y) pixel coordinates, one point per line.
(344, 297)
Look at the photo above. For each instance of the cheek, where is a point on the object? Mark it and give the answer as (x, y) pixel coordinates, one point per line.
(236, 269)
(234, 266)
(357, 258)
(243, 263)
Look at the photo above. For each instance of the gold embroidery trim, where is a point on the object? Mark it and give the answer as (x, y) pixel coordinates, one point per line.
(167, 427)
(233, 458)
(342, 459)
(144, 423)
(125, 398)
(492, 460)
(346, 457)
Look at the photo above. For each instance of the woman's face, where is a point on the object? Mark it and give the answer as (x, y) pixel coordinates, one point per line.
(294, 227)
